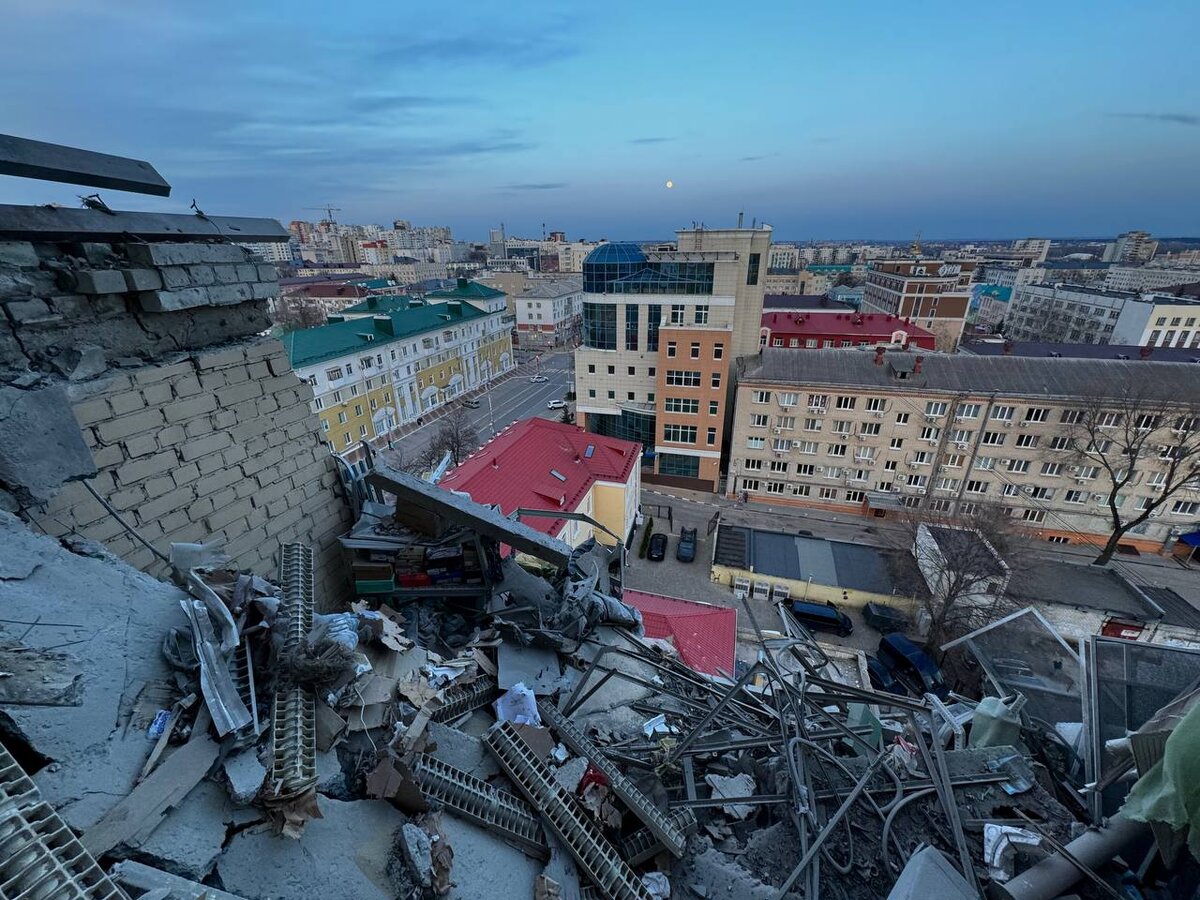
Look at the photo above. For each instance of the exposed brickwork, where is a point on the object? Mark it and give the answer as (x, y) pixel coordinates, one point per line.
(197, 425)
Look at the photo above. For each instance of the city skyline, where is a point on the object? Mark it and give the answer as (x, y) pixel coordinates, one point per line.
(873, 124)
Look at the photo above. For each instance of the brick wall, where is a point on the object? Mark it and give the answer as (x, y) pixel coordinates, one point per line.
(198, 427)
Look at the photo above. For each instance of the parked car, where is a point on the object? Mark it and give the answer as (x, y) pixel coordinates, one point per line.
(885, 619)
(822, 617)
(685, 549)
(538, 379)
(471, 403)
(658, 548)
(882, 678)
(911, 665)
(556, 404)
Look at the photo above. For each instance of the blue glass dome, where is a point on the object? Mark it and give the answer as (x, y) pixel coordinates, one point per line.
(610, 262)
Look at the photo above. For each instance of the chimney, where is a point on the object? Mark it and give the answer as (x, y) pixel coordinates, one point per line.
(385, 324)
(1144, 352)
(495, 463)
(462, 283)
(879, 351)
(741, 219)
(1009, 346)
(917, 363)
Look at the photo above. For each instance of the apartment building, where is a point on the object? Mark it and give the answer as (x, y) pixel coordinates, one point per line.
(855, 430)
(933, 293)
(660, 329)
(1131, 247)
(548, 312)
(1072, 313)
(1148, 278)
(370, 375)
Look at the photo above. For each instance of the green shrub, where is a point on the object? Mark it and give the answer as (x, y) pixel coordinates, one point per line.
(645, 545)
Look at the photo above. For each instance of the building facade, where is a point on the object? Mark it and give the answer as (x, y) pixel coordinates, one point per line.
(371, 375)
(1131, 248)
(851, 430)
(660, 329)
(1072, 313)
(932, 293)
(548, 312)
(810, 331)
(1148, 278)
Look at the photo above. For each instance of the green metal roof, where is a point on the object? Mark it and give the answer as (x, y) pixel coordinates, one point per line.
(467, 290)
(381, 303)
(313, 345)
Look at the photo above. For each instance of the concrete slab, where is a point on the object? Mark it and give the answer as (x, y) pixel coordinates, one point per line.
(536, 667)
(51, 448)
(344, 854)
(462, 750)
(485, 866)
(245, 774)
(189, 840)
(113, 618)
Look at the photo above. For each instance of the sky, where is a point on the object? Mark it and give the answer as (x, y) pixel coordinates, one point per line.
(828, 121)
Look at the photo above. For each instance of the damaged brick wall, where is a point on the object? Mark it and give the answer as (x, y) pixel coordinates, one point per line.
(198, 427)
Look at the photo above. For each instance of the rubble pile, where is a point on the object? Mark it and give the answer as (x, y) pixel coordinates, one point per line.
(496, 724)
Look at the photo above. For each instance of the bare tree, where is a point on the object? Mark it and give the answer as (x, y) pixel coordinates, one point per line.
(293, 312)
(1127, 438)
(962, 567)
(457, 435)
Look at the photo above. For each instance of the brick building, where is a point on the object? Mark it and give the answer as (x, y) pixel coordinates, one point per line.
(931, 292)
(806, 330)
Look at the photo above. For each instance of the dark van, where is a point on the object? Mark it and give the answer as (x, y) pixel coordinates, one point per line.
(912, 665)
(822, 617)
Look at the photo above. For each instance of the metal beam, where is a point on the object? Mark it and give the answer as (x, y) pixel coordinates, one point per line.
(60, 223)
(54, 162)
(461, 511)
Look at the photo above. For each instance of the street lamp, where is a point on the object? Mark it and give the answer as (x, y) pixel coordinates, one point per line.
(487, 391)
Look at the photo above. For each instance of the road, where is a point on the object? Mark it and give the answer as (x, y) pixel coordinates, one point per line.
(511, 400)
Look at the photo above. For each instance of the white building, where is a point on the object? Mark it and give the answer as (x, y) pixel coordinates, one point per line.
(1148, 278)
(548, 312)
(1071, 313)
(1131, 247)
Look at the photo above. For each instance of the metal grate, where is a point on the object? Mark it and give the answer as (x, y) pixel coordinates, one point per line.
(294, 713)
(461, 700)
(571, 825)
(644, 844)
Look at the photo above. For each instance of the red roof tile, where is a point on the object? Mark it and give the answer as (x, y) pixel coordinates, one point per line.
(704, 635)
(861, 326)
(518, 468)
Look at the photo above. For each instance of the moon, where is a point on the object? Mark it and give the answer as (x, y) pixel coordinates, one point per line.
(670, 184)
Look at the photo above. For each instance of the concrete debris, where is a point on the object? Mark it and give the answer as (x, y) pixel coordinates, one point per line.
(51, 449)
(245, 775)
(929, 873)
(418, 853)
(737, 786)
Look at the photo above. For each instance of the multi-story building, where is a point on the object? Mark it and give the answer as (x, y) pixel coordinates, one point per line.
(848, 429)
(1034, 249)
(931, 292)
(813, 330)
(548, 312)
(370, 375)
(544, 465)
(1131, 248)
(989, 305)
(783, 258)
(660, 329)
(1148, 278)
(1077, 314)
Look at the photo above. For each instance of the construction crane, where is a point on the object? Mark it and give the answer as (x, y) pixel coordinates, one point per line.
(329, 210)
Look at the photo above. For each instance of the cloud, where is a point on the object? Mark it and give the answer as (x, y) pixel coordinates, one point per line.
(1173, 118)
(652, 140)
(515, 52)
(757, 158)
(392, 102)
(537, 186)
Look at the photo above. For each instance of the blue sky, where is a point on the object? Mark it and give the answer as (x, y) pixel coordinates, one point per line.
(845, 120)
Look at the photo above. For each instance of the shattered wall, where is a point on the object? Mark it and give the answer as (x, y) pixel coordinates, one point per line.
(197, 427)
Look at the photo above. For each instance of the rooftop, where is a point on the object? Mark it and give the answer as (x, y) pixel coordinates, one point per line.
(328, 289)
(782, 555)
(704, 635)
(805, 302)
(548, 289)
(1079, 351)
(466, 289)
(1081, 585)
(879, 325)
(964, 545)
(1001, 375)
(539, 464)
(382, 303)
(313, 345)
(615, 253)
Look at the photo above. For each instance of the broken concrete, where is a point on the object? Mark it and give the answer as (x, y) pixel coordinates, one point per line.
(50, 450)
(190, 838)
(484, 866)
(245, 775)
(461, 750)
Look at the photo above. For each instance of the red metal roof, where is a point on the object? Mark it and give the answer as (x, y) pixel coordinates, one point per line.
(703, 634)
(850, 326)
(518, 468)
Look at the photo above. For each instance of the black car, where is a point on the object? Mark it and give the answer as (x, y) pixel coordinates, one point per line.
(822, 617)
(685, 549)
(885, 619)
(912, 666)
(882, 678)
(658, 548)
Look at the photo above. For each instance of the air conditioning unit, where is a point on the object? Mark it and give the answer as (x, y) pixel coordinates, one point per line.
(777, 430)
(844, 437)
(878, 414)
(1024, 423)
(961, 445)
(901, 477)
(1008, 424)
(1081, 481)
(1099, 498)
(930, 417)
(931, 441)
(1072, 469)
(820, 468)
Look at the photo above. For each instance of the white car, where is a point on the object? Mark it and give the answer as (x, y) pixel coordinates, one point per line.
(538, 379)
(556, 404)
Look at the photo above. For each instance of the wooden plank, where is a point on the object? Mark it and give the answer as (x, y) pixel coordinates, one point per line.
(60, 223)
(144, 879)
(146, 805)
(54, 162)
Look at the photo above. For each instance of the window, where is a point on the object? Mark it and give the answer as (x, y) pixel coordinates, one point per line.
(1087, 473)
(1185, 508)
(701, 315)
(808, 448)
(629, 395)
(612, 395)
(785, 422)
(846, 402)
(1147, 422)
(681, 405)
(671, 349)
(986, 463)
(837, 450)
(869, 428)
(342, 418)
(756, 443)
(1041, 493)
(753, 465)
(752, 265)
(1027, 440)
(651, 371)
(828, 493)
(801, 490)
(935, 408)
(1018, 465)
(358, 409)
(1011, 490)
(681, 378)
(842, 426)
(810, 343)
(961, 436)
(711, 437)
(612, 370)
(631, 327)
(896, 444)
(679, 434)
(317, 404)
(1071, 416)
(968, 411)
(918, 481)
(1054, 469)
(1034, 515)
(676, 313)
(591, 368)
(901, 418)
(678, 464)
(930, 433)
(921, 458)
(1096, 446)
(818, 401)
(1143, 503)
(1075, 497)
(776, 487)
(1003, 413)
(716, 379)
(354, 390)
(779, 465)
(713, 407)
(805, 469)
(373, 405)
(600, 326)
(993, 438)
(695, 349)
(759, 420)
(632, 370)
(324, 425)
(781, 445)
(1060, 443)
(718, 351)
(977, 487)
(953, 461)
(855, 496)
(346, 439)
(1037, 414)
(334, 374)
(788, 398)
(653, 320)
(890, 465)
(362, 430)
(592, 392)
(861, 475)
(1109, 420)
(948, 484)
(875, 404)
(750, 484)
(761, 397)
(812, 424)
